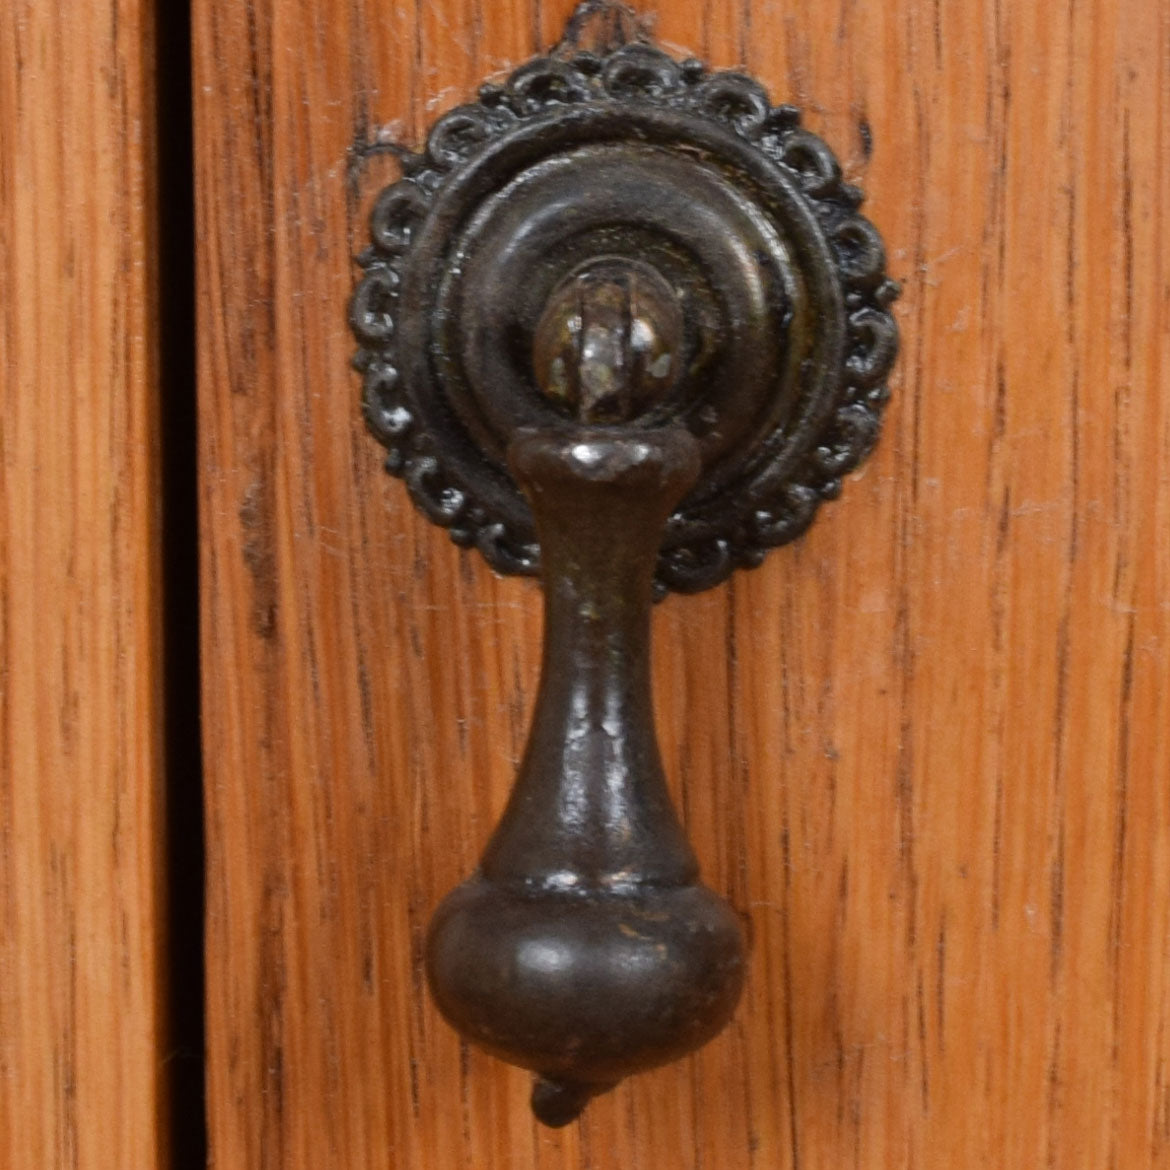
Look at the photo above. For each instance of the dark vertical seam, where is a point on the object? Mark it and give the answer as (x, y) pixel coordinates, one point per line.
(184, 1086)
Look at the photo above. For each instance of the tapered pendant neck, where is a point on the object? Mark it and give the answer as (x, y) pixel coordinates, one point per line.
(591, 809)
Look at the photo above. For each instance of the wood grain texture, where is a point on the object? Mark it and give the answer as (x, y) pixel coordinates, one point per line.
(81, 810)
(926, 752)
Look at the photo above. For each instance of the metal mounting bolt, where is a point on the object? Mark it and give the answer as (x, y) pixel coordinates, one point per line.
(608, 344)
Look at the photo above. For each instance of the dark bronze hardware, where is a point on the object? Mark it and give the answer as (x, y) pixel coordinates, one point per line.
(623, 326)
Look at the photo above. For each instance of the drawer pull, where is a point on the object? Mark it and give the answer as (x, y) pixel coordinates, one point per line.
(623, 327)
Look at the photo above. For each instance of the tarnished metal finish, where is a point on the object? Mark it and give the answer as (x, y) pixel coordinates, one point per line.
(609, 342)
(622, 325)
(626, 153)
(585, 947)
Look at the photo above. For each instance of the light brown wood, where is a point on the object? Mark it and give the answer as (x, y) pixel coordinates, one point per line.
(81, 812)
(926, 752)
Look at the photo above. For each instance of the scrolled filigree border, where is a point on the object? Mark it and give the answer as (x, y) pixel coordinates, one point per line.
(769, 513)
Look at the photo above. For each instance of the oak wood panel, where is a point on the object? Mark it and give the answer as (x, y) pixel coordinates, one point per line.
(926, 752)
(81, 803)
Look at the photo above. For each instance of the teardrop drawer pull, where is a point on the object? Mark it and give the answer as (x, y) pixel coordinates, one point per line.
(623, 327)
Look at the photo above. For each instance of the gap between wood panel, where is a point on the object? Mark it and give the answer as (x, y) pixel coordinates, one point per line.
(185, 872)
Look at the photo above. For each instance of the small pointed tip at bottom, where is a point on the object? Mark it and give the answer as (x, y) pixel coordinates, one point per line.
(557, 1103)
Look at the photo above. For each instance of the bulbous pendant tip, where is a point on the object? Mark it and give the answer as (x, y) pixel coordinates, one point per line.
(557, 1103)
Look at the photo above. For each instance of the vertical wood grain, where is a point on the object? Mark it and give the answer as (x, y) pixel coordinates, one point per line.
(926, 751)
(81, 816)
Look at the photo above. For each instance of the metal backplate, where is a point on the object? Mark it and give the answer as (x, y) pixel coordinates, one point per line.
(627, 153)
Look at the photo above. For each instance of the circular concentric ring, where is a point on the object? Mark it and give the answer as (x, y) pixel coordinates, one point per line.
(780, 280)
